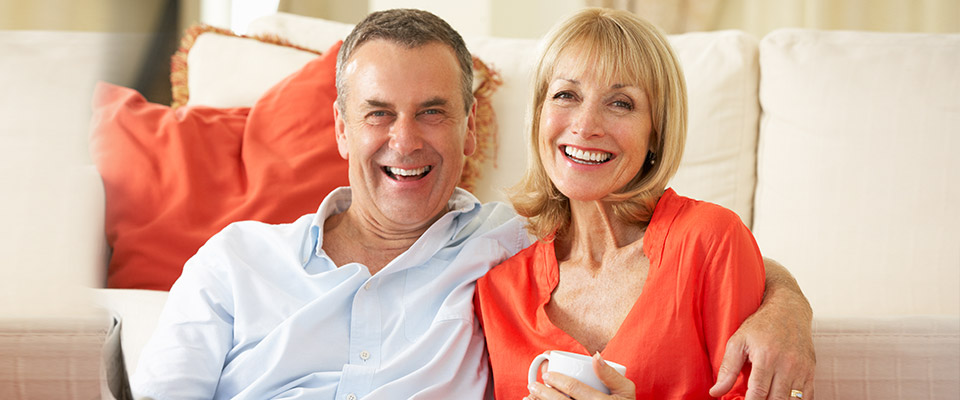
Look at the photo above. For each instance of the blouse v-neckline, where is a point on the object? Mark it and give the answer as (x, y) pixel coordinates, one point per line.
(550, 274)
(653, 242)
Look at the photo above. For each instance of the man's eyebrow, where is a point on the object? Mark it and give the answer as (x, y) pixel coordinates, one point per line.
(378, 104)
(436, 101)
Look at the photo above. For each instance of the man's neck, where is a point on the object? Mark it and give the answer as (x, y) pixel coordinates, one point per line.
(352, 237)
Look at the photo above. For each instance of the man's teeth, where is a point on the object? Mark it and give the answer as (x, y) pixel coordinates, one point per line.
(583, 155)
(408, 172)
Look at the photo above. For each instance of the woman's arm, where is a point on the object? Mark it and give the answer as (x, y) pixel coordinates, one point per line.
(777, 340)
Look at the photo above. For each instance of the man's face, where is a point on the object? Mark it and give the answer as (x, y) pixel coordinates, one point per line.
(404, 131)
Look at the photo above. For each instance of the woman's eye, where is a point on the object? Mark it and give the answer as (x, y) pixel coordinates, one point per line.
(563, 95)
(623, 104)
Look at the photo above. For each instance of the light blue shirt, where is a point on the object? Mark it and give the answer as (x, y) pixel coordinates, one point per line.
(262, 312)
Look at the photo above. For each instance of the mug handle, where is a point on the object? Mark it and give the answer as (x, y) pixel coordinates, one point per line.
(535, 366)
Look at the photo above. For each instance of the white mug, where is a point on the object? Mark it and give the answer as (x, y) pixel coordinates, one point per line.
(574, 365)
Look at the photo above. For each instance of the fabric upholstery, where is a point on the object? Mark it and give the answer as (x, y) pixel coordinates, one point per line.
(858, 169)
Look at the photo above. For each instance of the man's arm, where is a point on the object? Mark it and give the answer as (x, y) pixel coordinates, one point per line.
(185, 355)
(778, 341)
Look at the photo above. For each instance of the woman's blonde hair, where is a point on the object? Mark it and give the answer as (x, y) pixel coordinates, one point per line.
(616, 45)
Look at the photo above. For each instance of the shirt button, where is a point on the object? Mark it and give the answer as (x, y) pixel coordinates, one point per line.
(367, 286)
(364, 355)
(351, 396)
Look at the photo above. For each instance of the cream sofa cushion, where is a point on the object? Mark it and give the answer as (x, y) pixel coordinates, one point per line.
(719, 160)
(229, 71)
(858, 169)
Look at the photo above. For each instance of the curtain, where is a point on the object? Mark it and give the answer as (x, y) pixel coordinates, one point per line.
(337, 10)
(673, 16)
(761, 16)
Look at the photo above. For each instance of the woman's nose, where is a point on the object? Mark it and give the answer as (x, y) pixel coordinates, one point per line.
(588, 122)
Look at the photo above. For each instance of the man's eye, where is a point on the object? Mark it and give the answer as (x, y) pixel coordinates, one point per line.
(431, 115)
(377, 117)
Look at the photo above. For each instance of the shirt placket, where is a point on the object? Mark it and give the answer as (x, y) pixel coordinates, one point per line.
(365, 342)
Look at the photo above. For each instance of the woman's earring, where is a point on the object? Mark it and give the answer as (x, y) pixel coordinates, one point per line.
(651, 157)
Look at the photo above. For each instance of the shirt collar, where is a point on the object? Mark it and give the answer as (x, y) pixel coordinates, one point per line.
(461, 203)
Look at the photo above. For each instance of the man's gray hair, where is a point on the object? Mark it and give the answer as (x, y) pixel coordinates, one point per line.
(410, 28)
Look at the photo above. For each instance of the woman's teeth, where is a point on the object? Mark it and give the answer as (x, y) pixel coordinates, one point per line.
(586, 157)
(408, 172)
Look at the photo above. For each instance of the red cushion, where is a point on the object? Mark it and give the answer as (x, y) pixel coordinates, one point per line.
(174, 177)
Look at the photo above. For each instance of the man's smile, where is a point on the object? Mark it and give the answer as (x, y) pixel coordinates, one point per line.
(403, 174)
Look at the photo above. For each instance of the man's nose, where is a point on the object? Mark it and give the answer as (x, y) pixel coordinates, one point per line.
(405, 135)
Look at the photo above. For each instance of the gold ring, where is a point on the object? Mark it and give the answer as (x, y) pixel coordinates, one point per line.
(796, 394)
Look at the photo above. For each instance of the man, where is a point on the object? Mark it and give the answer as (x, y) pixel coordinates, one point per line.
(371, 296)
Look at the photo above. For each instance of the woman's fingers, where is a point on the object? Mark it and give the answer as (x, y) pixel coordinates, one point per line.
(619, 385)
(539, 391)
(570, 386)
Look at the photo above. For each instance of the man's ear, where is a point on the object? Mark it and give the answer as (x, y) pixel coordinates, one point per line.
(339, 127)
(470, 141)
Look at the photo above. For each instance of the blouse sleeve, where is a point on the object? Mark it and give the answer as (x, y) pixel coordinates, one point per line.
(733, 284)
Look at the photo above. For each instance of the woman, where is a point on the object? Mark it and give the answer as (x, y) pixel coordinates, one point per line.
(625, 269)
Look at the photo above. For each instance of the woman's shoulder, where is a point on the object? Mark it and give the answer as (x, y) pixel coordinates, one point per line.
(694, 217)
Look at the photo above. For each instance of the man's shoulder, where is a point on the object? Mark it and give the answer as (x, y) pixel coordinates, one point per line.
(253, 236)
(488, 217)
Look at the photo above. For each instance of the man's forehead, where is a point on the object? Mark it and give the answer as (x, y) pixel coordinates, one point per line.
(382, 73)
(380, 45)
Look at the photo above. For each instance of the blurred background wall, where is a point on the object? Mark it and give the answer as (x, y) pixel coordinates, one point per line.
(159, 23)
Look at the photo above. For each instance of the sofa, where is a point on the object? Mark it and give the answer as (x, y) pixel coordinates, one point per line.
(835, 148)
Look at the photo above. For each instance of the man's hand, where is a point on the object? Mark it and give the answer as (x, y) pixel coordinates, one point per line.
(777, 340)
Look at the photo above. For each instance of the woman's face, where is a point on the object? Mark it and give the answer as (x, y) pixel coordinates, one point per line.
(594, 132)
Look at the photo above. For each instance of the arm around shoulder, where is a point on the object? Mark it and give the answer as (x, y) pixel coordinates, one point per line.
(777, 340)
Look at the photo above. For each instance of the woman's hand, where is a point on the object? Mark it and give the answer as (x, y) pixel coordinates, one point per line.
(563, 387)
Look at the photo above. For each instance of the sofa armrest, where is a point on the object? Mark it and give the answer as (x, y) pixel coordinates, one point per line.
(877, 358)
(52, 246)
(52, 358)
(137, 311)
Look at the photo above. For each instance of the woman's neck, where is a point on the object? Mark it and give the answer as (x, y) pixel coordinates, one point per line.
(595, 231)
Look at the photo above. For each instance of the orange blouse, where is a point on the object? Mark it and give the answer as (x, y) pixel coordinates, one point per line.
(706, 276)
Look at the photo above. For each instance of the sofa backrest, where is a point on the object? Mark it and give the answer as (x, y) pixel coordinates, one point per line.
(857, 189)
(859, 178)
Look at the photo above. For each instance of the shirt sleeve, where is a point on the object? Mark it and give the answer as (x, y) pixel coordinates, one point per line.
(186, 353)
(733, 284)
